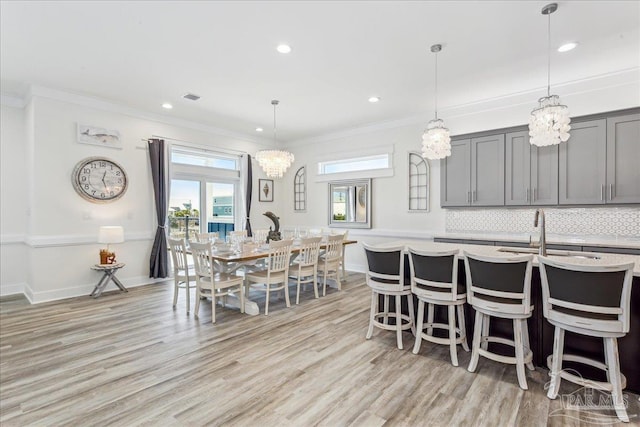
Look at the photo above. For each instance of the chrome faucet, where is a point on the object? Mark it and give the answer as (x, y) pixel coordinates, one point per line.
(543, 232)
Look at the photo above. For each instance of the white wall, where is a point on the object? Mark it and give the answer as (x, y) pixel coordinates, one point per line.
(49, 232)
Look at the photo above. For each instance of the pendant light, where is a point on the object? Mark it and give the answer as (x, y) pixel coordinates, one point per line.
(549, 123)
(274, 163)
(436, 141)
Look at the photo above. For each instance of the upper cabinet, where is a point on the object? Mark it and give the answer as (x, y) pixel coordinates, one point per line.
(582, 164)
(474, 173)
(600, 164)
(623, 159)
(531, 173)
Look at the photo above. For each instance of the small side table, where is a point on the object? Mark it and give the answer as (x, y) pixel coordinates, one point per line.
(109, 271)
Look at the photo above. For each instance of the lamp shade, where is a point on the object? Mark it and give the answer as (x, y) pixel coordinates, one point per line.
(111, 234)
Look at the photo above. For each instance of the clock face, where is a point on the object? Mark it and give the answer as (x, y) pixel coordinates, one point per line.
(99, 180)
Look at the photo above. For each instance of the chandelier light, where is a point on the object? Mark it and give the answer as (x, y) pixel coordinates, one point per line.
(549, 123)
(436, 141)
(274, 163)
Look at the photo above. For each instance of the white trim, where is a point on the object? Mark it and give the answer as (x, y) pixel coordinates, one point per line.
(112, 107)
(41, 241)
(12, 289)
(403, 234)
(11, 239)
(12, 101)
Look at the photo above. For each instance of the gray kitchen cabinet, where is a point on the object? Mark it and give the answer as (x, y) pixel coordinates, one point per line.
(487, 171)
(455, 175)
(531, 173)
(582, 164)
(623, 159)
(474, 173)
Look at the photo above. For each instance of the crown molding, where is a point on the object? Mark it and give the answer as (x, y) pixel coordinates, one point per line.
(113, 107)
(626, 77)
(10, 100)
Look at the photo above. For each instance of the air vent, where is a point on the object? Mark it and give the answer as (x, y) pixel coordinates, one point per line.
(191, 96)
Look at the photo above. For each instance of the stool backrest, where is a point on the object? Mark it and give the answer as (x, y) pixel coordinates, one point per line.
(431, 269)
(500, 284)
(587, 296)
(385, 267)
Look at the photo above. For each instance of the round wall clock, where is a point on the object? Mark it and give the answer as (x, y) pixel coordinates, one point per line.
(99, 180)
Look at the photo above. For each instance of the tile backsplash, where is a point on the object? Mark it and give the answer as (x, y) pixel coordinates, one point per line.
(614, 222)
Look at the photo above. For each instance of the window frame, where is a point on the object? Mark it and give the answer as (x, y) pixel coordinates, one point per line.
(427, 173)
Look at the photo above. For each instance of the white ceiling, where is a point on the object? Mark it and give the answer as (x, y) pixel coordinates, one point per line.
(144, 53)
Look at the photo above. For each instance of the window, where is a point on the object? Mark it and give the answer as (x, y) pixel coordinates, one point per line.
(354, 164)
(300, 190)
(418, 183)
(365, 163)
(204, 192)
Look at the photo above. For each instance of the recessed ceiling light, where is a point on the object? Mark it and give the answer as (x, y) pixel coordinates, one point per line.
(374, 99)
(259, 129)
(284, 48)
(167, 106)
(567, 47)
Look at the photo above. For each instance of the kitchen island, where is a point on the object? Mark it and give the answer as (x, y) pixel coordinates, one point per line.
(540, 330)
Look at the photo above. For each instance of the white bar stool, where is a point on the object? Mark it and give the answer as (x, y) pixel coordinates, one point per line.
(587, 300)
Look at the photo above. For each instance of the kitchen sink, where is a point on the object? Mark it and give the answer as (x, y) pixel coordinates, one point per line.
(551, 252)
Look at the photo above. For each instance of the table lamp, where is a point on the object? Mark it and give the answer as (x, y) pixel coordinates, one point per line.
(109, 234)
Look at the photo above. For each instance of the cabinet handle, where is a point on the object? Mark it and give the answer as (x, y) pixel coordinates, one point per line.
(468, 196)
(527, 194)
(602, 192)
(473, 199)
(610, 191)
(535, 194)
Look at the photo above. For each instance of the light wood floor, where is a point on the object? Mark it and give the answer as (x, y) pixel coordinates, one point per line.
(130, 359)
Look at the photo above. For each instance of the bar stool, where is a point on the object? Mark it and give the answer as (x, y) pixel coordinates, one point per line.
(500, 287)
(588, 300)
(434, 280)
(385, 276)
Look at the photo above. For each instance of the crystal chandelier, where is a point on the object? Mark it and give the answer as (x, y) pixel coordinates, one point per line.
(436, 142)
(274, 162)
(549, 123)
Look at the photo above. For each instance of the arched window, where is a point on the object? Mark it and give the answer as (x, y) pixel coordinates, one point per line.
(418, 183)
(300, 190)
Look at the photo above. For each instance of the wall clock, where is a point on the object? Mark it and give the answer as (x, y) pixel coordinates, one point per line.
(99, 180)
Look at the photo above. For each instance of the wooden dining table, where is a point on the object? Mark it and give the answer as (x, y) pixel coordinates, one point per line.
(250, 254)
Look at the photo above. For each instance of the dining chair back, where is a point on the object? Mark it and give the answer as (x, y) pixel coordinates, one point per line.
(305, 266)
(276, 271)
(329, 262)
(183, 274)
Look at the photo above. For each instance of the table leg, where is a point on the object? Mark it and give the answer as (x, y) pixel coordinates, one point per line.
(97, 291)
(112, 276)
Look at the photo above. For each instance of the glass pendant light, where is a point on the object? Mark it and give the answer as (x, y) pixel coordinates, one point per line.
(549, 123)
(436, 141)
(274, 163)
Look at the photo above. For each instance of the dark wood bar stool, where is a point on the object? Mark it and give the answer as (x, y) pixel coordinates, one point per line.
(587, 300)
(500, 287)
(434, 281)
(385, 276)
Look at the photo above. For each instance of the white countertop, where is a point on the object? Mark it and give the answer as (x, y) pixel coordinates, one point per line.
(604, 258)
(602, 241)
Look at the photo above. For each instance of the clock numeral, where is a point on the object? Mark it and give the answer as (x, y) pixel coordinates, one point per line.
(86, 170)
(103, 164)
(86, 186)
(118, 173)
(120, 181)
(83, 179)
(102, 195)
(94, 166)
(93, 192)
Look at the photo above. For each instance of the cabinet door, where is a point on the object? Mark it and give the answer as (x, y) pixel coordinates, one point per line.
(517, 190)
(487, 171)
(544, 175)
(582, 161)
(623, 159)
(455, 175)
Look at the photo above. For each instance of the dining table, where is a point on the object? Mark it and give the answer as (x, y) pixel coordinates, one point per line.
(248, 255)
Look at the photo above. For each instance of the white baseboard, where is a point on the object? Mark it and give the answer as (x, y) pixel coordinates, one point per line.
(12, 289)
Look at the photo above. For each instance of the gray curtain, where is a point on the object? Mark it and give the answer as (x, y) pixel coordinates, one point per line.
(248, 190)
(158, 265)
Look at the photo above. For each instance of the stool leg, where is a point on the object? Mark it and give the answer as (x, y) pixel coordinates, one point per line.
(556, 363)
(298, 290)
(213, 305)
(416, 346)
(613, 368)
(241, 297)
(475, 345)
(175, 291)
(198, 298)
(430, 310)
(372, 312)
(285, 289)
(315, 283)
(486, 320)
(385, 318)
(398, 301)
(527, 345)
(411, 314)
(463, 327)
(188, 291)
(453, 350)
(519, 347)
(266, 301)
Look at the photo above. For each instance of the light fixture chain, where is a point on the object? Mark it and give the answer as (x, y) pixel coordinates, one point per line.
(549, 56)
(436, 85)
(274, 122)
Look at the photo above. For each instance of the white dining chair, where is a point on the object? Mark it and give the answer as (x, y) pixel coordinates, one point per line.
(275, 276)
(305, 267)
